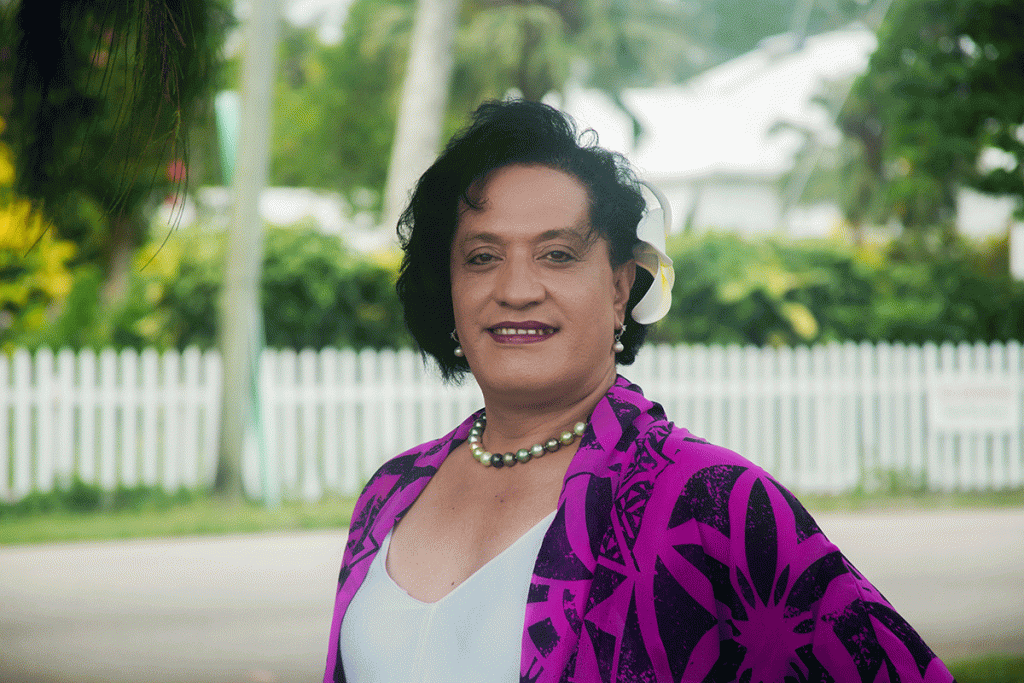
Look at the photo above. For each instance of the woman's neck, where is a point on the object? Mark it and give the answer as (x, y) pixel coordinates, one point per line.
(513, 423)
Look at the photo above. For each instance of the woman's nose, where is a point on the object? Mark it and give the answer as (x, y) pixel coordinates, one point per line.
(518, 285)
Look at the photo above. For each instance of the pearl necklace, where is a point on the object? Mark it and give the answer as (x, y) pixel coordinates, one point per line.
(499, 460)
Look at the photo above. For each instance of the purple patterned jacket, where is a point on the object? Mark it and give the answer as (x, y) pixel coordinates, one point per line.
(669, 559)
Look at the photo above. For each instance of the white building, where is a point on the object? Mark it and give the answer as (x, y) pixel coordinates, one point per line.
(720, 145)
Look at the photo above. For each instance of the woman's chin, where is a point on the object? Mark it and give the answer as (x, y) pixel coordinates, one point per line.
(515, 377)
(538, 380)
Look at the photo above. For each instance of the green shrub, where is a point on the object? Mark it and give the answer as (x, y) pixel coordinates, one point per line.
(732, 290)
(729, 290)
(314, 294)
(80, 497)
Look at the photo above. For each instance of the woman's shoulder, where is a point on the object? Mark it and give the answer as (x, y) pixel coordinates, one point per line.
(646, 440)
(729, 547)
(416, 464)
(711, 484)
(420, 460)
(701, 481)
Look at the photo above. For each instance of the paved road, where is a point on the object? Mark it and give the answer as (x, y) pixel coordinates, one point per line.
(256, 609)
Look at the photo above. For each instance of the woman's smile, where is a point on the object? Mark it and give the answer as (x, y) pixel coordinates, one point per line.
(528, 332)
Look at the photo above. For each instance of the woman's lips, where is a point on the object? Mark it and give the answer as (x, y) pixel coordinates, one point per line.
(520, 335)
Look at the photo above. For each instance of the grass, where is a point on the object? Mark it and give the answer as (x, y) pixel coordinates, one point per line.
(197, 516)
(83, 515)
(990, 669)
(901, 501)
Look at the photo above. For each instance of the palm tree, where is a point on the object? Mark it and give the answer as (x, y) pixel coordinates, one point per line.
(528, 49)
(424, 100)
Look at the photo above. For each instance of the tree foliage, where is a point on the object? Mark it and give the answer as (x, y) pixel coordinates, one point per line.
(730, 290)
(99, 97)
(337, 104)
(534, 47)
(341, 100)
(313, 293)
(943, 98)
(732, 27)
(34, 272)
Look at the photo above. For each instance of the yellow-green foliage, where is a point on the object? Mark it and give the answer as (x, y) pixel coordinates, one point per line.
(314, 294)
(34, 275)
(733, 290)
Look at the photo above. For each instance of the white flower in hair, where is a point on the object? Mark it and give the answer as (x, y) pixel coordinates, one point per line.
(650, 255)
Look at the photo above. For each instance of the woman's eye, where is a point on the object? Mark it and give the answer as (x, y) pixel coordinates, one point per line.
(559, 256)
(481, 259)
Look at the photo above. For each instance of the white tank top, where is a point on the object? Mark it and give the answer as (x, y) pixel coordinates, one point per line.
(471, 635)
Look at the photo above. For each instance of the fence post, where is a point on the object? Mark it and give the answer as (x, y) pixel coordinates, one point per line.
(150, 393)
(24, 398)
(108, 400)
(801, 465)
(369, 395)
(849, 406)
(264, 479)
(1015, 366)
(129, 452)
(6, 450)
(408, 400)
(211, 415)
(312, 475)
(191, 404)
(350, 460)
(822, 456)
(87, 416)
(171, 422)
(44, 422)
(67, 398)
(288, 457)
(386, 412)
(328, 399)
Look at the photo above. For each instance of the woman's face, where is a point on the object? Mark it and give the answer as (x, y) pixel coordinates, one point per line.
(536, 300)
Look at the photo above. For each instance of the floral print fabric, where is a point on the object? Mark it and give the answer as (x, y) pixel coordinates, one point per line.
(669, 559)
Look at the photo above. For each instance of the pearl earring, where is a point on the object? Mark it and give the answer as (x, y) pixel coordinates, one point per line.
(458, 352)
(618, 346)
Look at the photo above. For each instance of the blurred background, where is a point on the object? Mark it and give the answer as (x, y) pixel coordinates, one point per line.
(199, 332)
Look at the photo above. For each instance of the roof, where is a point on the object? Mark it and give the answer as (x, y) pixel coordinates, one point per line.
(726, 121)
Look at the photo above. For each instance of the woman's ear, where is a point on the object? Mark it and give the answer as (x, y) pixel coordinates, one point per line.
(622, 279)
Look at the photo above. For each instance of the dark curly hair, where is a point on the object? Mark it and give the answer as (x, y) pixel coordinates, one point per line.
(501, 134)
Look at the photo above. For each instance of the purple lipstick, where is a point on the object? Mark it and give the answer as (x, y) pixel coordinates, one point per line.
(528, 332)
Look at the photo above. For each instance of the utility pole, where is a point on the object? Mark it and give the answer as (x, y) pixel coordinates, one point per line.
(241, 337)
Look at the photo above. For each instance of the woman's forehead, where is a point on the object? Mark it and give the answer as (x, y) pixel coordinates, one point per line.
(537, 199)
(520, 174)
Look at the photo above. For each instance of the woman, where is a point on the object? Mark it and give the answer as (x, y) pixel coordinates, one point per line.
(569, 531)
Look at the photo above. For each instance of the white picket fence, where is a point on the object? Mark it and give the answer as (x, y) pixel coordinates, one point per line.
(822, 419)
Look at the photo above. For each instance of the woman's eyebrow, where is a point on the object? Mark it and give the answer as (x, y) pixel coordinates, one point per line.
(561, 233)
(573, 233)
(488, 237)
